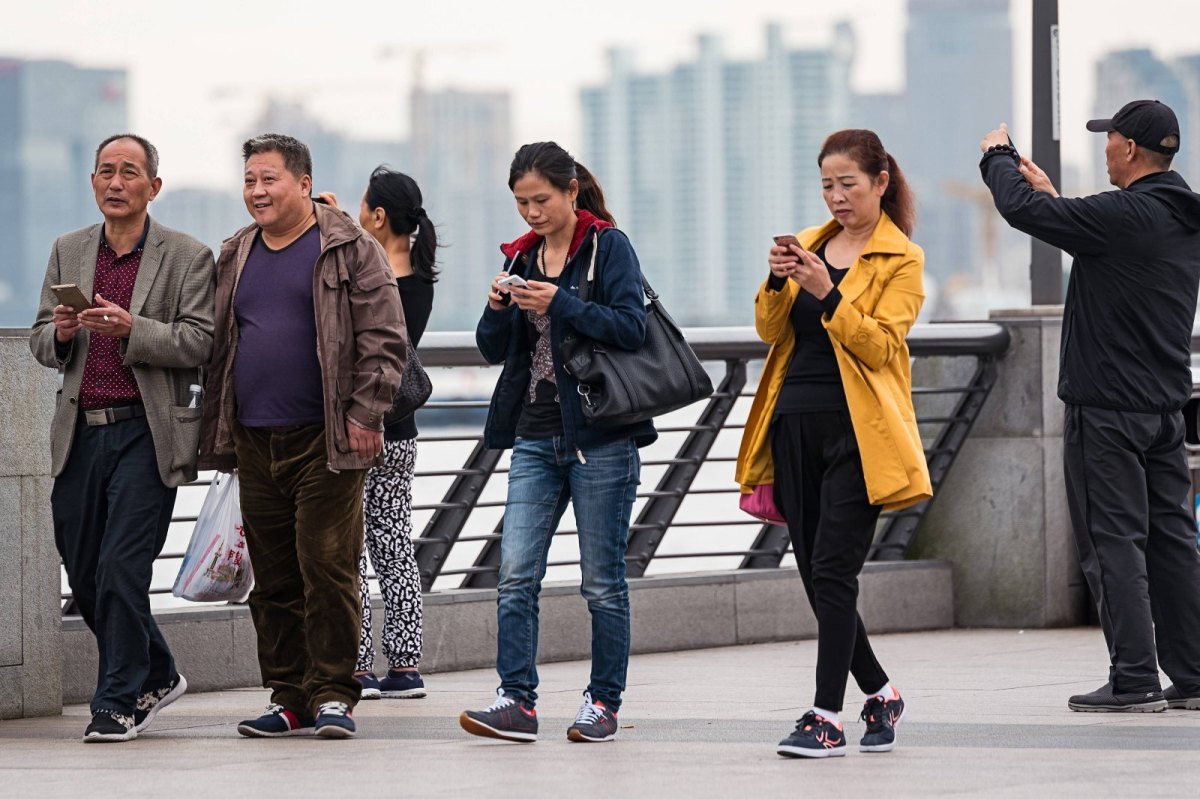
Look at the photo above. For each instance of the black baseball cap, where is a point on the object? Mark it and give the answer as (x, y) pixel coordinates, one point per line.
(1147, 122)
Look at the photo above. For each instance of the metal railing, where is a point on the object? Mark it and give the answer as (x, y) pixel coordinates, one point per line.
(687, 518)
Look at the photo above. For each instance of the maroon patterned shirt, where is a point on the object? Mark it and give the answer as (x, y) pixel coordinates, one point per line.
(106, 381)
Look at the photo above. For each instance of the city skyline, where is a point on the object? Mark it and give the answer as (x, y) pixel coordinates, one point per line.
(227, 57)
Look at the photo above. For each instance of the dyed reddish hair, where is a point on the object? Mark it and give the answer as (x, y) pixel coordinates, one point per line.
(865, 149)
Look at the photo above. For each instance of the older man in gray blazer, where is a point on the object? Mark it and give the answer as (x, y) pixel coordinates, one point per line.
(127, 424)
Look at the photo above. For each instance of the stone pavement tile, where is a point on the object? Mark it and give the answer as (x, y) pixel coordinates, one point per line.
(988, 718)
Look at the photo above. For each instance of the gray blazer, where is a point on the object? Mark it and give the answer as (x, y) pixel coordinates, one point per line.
(171, 338)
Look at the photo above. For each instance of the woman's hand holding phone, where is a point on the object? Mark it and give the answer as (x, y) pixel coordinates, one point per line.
(783, 259)
(498, 297)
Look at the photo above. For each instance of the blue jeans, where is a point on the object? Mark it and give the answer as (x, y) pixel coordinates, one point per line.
(543, 476)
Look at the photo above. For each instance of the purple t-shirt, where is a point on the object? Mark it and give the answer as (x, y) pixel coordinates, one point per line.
(276, 374)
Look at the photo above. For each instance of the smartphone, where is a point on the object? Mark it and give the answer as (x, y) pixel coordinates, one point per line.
(513, 280)
(1010, 144)
(786, 240)
(69, 294)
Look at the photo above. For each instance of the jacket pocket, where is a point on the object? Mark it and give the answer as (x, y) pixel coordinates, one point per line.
(185, 437)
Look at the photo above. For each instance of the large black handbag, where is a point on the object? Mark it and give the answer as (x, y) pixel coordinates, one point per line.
(622, 387)
(414, 391)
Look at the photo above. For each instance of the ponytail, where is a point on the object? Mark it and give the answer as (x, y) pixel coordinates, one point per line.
(400, 198)
(866, 150)
(591, 196)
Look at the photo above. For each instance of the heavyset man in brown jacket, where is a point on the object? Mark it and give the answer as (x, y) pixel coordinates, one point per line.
(309, 348)
(124, 435)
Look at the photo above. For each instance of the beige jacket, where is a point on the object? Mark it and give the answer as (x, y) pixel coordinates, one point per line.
(171, 337)
(361, 339)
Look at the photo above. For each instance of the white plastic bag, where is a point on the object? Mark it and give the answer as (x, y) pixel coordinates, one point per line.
(216, 566)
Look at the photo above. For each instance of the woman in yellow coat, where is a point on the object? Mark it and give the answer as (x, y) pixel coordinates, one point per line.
(832, 426)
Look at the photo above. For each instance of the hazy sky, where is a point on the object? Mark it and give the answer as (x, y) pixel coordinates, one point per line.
(199, 71)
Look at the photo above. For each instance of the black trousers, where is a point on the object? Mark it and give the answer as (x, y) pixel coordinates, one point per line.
(111, 513)
(1128, 492)
(820, 491)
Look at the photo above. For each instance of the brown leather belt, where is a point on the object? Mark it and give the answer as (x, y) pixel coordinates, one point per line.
(99, 416)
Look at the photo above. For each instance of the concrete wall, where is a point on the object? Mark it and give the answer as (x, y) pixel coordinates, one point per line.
(215, 647)
(30, 617)
(1001, 516)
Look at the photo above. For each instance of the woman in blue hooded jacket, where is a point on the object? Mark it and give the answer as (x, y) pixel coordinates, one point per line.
(557, 457)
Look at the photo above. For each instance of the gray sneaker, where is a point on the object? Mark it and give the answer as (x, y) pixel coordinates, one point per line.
(1176, 699)
(506, 718)
(1105, 700)
(594, 722)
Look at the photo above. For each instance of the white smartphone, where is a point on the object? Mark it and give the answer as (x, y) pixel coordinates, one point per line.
(513, 280)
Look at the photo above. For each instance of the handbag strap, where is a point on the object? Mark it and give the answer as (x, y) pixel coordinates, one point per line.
(585, 288)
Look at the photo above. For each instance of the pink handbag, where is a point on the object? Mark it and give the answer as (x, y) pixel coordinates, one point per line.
(760, 503)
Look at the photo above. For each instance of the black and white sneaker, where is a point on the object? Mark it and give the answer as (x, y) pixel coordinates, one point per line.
(594, 722)
(814, 736)
(108, 727)
(1105, 700)
(1179, 700)
(150, 702)
(506, 719)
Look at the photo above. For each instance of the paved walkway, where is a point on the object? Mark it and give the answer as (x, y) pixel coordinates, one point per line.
(987, 717)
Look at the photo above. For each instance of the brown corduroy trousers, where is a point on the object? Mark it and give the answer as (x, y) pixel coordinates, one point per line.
(304, 530)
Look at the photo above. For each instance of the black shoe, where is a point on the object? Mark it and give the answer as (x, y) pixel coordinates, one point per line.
(1104, 700)
(1178, 700)
(881, 718)
(109, 727)
(506, 718)
(814, 736)
(150, 702)
(594, 722)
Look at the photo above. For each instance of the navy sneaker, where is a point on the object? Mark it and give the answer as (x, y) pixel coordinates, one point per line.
(334, 720)
(1180, 701)
(370, 685)
(506, 718)
(1105, 700)
(402, 685)
(881, 717)
(109, 727)
(150, 702)
(277, 722)
(594, 722)
(814, 736)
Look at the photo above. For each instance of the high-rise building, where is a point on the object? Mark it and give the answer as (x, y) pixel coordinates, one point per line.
(52, 116)
(461, 149)
(1138, 74)
(958, 85)
(703, 164)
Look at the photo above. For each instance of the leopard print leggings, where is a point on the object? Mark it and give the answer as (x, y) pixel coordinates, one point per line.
(387, 519)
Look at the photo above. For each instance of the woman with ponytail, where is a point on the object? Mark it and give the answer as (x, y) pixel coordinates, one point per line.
(557, 457)
(391, 212)
(832, 428)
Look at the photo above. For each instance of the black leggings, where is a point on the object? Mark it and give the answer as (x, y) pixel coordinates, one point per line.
(819, 489)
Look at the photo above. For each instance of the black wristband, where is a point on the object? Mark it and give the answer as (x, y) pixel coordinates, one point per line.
(775, 282)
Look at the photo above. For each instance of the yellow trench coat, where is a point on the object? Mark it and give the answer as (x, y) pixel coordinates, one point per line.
(881, 295)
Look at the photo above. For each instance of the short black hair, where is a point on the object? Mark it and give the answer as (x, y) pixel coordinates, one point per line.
(296, 157)
(150, 150)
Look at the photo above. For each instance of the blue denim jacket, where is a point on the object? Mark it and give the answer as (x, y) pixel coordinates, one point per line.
(616, 316)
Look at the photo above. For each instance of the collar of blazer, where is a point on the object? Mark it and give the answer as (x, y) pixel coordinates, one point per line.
(887, 239)
(152, 256)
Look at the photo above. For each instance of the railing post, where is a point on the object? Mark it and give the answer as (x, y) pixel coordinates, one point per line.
(646, 533)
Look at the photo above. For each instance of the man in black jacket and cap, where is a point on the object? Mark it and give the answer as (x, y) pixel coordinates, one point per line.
(1125, 376)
